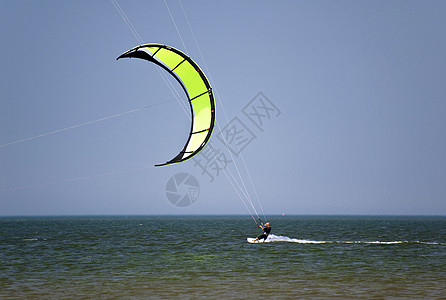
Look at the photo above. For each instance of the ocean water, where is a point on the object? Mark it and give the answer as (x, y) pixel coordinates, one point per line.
(154, 257)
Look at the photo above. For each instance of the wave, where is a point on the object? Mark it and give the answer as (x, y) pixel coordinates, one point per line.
(279, 238)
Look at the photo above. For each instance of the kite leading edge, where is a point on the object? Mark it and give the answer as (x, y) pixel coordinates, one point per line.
(196, 87)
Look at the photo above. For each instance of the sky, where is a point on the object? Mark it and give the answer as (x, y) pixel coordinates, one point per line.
(323, 107)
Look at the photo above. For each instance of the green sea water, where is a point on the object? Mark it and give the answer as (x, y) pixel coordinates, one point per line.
(160, 257)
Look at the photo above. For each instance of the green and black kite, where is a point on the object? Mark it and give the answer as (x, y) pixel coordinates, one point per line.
(195, 85)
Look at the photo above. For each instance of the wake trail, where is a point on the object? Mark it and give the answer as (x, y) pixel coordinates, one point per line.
(279, 238)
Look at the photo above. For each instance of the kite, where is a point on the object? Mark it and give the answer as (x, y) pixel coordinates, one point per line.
(196, 87)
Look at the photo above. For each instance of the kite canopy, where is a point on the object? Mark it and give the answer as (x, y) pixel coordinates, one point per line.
(195, 85)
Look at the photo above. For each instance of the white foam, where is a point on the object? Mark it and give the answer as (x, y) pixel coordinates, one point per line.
(279, 238)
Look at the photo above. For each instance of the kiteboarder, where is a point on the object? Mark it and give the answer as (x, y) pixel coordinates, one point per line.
(266, 230)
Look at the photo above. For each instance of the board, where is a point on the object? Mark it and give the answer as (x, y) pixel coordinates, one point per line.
(251, 240)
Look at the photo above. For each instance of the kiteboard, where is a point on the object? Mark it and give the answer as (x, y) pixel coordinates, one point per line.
(253, 241)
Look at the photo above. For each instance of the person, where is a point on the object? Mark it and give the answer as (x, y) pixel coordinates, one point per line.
(266, 231)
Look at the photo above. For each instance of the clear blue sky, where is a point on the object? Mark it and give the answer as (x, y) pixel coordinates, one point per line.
(356, 95)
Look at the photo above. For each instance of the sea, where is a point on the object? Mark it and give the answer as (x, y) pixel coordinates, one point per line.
(208, 257)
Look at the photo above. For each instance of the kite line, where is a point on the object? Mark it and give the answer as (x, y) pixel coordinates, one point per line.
(84, 124)
(239, 183)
